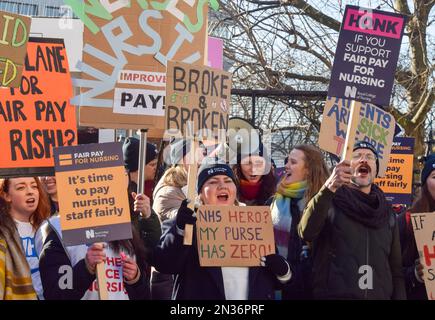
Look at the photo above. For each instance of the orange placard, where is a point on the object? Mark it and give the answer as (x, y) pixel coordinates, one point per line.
(397, 182)
(37, 116)
(234, 236)
(14, 34)
(92, 191)
(424, 232)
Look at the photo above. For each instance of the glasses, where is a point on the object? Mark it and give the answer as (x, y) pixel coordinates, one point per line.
(367, 156)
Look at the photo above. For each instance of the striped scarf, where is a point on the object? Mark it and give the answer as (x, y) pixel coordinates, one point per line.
(15, 278)
(281, 215)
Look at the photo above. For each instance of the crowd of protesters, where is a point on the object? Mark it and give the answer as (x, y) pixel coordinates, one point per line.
(327, 228)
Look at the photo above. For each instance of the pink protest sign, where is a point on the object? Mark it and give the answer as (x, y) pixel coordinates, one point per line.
(215, 53)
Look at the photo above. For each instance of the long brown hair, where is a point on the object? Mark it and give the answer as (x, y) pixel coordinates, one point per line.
(7, 225)
(318, 172)
(42, 211)
(424, 201)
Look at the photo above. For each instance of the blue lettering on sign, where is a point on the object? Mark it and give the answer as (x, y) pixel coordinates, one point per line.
(340, 111)
(29, 247)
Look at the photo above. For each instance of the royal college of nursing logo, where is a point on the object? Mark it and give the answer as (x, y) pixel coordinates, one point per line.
(90, 234)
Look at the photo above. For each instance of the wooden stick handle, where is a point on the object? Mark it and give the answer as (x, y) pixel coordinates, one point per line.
(102, 284)
(191, 192)
(351, 130)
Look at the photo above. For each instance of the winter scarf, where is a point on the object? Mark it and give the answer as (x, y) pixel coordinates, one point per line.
(281, 212)
(371, 209)
(249, 190)
(15, 278)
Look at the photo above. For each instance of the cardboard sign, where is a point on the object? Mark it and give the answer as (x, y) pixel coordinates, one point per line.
(366, 56)
(37, 116)
(231, 236)
(424, 232)
(374, 125)
(92, 191)
(197, 94)
(126, 49)
(14, 34)
(397, 182)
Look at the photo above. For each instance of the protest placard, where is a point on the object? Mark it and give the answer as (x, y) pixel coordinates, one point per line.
(14, 34)
(37, 116)
(233, 236)
(215, 53)
(198, 94)
(397, 182)
(92, 191)
(424, 232)
(373, 125)
(366, 56)
(126, 49)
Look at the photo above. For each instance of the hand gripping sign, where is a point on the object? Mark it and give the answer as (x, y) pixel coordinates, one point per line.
(93, 199)
(424, 232)
(234, 236)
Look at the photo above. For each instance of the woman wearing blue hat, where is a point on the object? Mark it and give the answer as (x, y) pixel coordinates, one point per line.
(425, 202)
(216, 186)
(168, 195)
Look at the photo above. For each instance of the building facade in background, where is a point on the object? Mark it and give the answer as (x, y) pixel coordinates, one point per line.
(36, 8)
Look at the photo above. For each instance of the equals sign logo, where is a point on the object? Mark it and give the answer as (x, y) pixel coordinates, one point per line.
(65, 160)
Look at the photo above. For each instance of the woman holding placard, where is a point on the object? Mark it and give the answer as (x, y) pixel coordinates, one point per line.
(28, 206)
(69, 272)
(305, 173)
(216, 186)
(425, 202)
(168, 195)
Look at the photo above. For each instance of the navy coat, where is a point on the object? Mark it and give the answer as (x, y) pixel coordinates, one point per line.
(193, 282)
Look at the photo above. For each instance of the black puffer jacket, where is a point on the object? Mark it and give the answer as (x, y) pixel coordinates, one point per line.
(351, 260)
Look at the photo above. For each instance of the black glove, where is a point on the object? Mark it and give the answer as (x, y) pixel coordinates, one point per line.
(184, 215)
(276, 264)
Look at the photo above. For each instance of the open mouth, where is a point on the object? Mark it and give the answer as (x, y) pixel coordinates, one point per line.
(31, 201)
(223, 197)
(363, 170)
(253, 177)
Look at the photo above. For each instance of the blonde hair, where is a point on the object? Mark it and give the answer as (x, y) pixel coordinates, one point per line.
(175, 176)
